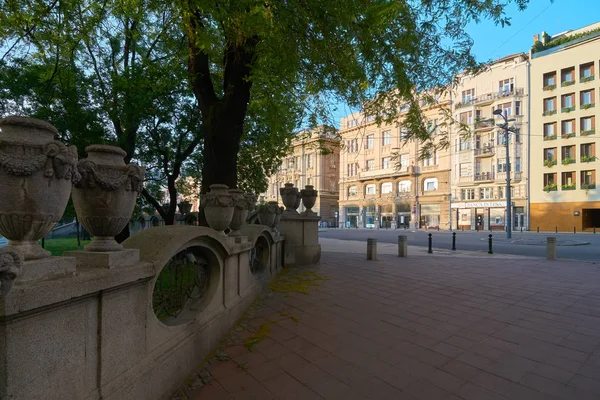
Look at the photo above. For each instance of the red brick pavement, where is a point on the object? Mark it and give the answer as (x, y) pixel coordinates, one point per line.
(425, 328)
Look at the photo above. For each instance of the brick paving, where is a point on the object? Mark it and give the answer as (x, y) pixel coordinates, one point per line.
(429, 328)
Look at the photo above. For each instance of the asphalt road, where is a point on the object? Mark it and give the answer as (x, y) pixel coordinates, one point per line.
(478, 241)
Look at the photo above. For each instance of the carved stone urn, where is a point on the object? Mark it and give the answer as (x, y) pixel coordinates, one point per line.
(251, 199)
(218, 207)
(184, 207)
(10, 267)
(309, 197)
(267, 213)
(289, 195)
(36, 174)
(240, 211)
(105, 196)
(297, 202)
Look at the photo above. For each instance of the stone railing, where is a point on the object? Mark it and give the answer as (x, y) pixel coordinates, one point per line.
(129, 320)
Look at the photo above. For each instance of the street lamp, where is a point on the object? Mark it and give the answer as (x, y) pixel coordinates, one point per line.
(507, 129)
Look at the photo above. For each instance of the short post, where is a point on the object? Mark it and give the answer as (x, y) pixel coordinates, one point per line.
(490, 244)
(453, 240)
(371, 249)
(594, 230)
(462, 228)
(538, 229)
(574, 230)
(402, 248)
(521, 229)
(551, 248)
(430, 250)
(438, 228)
(556, 230)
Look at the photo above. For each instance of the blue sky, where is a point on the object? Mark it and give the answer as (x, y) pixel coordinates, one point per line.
(493, 42)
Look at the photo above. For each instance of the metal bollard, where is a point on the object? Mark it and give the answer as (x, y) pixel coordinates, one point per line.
(453, 240)
(521, 229)
(371, 249)
(402, 248)
(551, 248)
(594, 230)
(438, 228)
(556, 230)
(538, 229)
(490, 244)
(430, 250)
(574, 230)
(462, 228)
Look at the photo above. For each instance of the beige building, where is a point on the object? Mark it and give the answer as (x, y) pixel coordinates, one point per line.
(479, 152)
(563, 122)
(383, 184)
(313, 160)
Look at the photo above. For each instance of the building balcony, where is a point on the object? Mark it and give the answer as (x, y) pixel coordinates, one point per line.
(484, 125)
(486, 151)
(484, 177)
(488, 98)
(515, 176)
(465, 180)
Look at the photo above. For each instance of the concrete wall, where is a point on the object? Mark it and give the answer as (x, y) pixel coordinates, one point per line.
(93, 334)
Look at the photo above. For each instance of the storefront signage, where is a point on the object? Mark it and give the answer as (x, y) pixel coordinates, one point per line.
(481, 204)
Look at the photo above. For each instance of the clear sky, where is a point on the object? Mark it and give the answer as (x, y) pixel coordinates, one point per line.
(492, 42)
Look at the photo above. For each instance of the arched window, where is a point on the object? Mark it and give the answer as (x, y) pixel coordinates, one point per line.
(404, 186)
(430, 184)
(386, 188)
(371, 189)
(352, 191)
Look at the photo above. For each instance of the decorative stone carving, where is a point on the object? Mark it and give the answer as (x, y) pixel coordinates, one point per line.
(240, 211)
(309, 197)
(251, 200)
(290, 196)
(10, 267)
(278, 213)
(105, 196)
(297, 203)
(36, 174)
(218, 207)
(267, 213)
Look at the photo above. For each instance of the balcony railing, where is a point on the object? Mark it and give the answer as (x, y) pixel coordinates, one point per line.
(515, 176)
(485, 151)
(489, 97)
(484, 176)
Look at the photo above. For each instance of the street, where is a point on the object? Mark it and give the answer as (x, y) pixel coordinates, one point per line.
(523, 244)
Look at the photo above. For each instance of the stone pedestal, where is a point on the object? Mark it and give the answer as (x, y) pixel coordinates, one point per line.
(47, 268)
(105, 259)
(551, 248)
(301, 233)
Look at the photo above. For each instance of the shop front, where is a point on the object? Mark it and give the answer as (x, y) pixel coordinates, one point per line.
(430, 216)
(352, 216)
(387, 216)
(486, 215)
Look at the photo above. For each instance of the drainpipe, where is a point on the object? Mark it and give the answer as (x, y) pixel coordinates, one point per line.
(528, 208)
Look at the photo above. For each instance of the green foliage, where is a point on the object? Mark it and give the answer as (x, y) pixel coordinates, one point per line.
(567, 161)
(549, 163)
(587, 186)
(585, 158)
(57, 247)
(550, 43)
(568, 187)
(551, 187)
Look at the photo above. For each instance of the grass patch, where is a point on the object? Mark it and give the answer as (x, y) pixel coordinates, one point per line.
(300, 282)
(261, 333)
(57, 247)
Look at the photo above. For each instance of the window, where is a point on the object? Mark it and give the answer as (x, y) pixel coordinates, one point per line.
(468, 95)
(404, 160)
(568, 127)
(431, 160)
(567, 75)
(506, 109)
(501, 165)
(386, 188)
(486, 193)
(404, 186)
(465, 144)
(466, 117)
(371, 189)
(403, 134)
(588, 152)
(387, 138)
(352, 169)
(518, 108)
(430, 184)
(433, 127)
(568, 180)
(550, 104)
(291, 163)
(386, 162)
(550, 131)
(309, 160)
(467, 194)
(588, 179)
(568, 154)
(586, 71)
(587, 124)
(550, 79)
(370, 165)
(568, 100)
(549, 179)
(506, 86)
(309, 181)
(501, 194)
(370, 142)
(587, 98)
(352, 146)
(352, 191)
(550, 154)
(517, 134)
(466, 169)
(501, 138)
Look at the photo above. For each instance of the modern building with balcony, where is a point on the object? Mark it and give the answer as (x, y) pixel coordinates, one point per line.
(564, 164)
(313, 159)
(383, 181)
(479, 161)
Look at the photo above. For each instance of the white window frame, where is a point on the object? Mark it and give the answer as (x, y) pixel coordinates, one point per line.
(386, 138)
(387, 188)
(430, 182)
(371, 189)
(370, 142)
(404, 186)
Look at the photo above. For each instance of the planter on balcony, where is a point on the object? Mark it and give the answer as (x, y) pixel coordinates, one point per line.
(588, 158)
(549, 163)
(568, 187)
(588, 132)
(568, 135)
(587, 106)
(567, 83)
(568, 161)
(550, 137)
(567, 109)
(586, 79)
(549, 112)
(550, 188)
(587, 186)
(549, 87)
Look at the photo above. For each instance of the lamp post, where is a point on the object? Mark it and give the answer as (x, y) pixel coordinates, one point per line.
(506, 130)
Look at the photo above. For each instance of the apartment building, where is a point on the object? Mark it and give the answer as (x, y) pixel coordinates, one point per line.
(564, 164)
(479, 161)
(313, 160)
(383, 184)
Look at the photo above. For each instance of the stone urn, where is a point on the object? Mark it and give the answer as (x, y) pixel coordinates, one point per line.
(309, 197)
(218, 207)
(289, 195)
(184, 207)
(267, 213)
(36, 174)
(297, 203)
(240, 211)
(105, 196)
(251, 200)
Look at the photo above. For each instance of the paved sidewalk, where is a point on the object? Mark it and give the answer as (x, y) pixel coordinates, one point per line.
(430, 328)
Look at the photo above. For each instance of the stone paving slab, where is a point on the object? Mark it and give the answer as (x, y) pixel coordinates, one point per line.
(429, 328)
